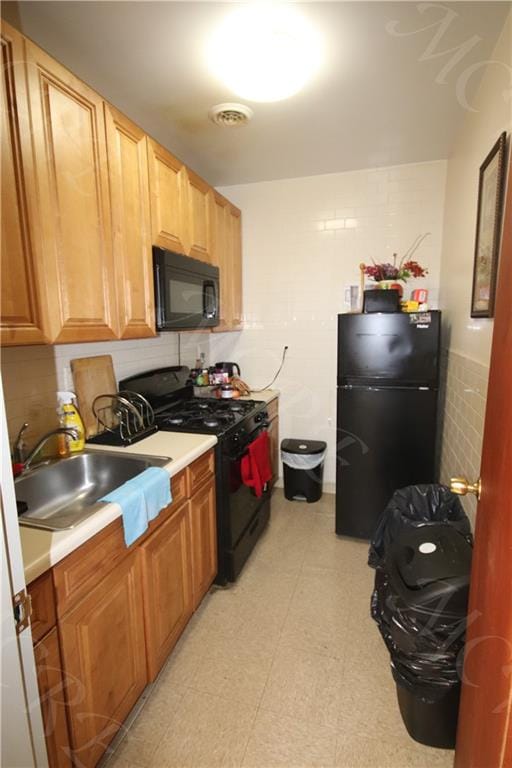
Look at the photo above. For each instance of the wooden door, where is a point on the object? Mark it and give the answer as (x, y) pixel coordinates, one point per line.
(131, 225)
(167, 192)
(203, 525)
(21, 301)
(51, 692)
(235, 235)
(68, 132)
(484, 738)
(167, 583)
(103, 650)
(197, 206)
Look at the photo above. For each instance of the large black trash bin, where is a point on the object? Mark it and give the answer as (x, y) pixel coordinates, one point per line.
(420, 605)
(303, 468)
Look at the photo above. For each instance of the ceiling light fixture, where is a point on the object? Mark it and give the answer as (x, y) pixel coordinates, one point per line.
(264, 52)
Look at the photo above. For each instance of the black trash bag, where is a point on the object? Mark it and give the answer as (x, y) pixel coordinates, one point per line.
(416, 505)
(422, 623)
(426, 648)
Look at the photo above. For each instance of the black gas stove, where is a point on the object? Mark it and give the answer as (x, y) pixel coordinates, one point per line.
(206, 415)
(241, 516)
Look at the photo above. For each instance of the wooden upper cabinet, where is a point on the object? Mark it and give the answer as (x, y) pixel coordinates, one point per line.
(68, 132)
(221, 259)
(235, 235)
(21, 304)
(227, 250)
(198, 211)
(167, 191)
(131, 225)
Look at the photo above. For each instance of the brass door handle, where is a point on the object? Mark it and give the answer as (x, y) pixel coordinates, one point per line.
(461, 486)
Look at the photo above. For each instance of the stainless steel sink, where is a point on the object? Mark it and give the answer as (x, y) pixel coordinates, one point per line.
(61, 494)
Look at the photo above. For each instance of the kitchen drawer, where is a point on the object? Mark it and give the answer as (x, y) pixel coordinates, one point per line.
(43, 616)
(202, 469)
(273, 408)
(76, 575)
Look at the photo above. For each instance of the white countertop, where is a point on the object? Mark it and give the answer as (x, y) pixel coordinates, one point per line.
(43, 549)
(266, 396)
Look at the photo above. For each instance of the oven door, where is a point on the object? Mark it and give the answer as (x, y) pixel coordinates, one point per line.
(242, 502)
(186, 292)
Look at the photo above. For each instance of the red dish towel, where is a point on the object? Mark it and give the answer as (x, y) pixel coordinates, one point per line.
(255, 467)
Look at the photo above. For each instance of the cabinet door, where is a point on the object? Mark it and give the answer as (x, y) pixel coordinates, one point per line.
(227, 240)
(273, 434)
(197, 206)
(235, 241)
(68, 133)
(167, 584)
(222, 258)
(203, 528)
(21, 319)
(103, 651)
(167, 188)
(131, 225)
(51, 693)
(42, 602)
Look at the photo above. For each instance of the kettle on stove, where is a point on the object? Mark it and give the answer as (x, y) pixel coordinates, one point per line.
(229, 368)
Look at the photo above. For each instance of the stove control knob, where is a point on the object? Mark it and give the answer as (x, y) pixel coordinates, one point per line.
(236, 437)
(260, 416)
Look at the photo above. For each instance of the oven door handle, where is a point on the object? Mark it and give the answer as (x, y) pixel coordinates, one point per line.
(239, 455)
(245, 450)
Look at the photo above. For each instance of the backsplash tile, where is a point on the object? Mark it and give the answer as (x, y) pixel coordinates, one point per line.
(32, 375)
(464, 392)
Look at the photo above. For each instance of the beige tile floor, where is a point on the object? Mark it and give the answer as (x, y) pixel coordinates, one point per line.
(283, 669)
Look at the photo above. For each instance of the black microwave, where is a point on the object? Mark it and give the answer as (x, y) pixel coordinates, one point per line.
(186, 292)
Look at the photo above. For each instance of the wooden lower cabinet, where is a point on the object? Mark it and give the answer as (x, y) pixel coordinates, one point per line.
(167, 584)
(203, 530)
(113, 615)
(51, 693)
(103, 651)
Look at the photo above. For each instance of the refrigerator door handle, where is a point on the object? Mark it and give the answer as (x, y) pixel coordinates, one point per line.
(380, 387)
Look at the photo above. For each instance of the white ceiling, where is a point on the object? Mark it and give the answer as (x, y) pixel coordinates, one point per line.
(376, 101)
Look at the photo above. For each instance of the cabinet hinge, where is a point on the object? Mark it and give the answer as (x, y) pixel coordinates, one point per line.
(22, 609)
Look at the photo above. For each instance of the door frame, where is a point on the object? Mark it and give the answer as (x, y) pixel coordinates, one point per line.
(484, 736)
(23, 742)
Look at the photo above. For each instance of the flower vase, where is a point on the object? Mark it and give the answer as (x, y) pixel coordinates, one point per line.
(388, 285)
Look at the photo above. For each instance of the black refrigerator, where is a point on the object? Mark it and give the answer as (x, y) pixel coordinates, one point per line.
(388, 378)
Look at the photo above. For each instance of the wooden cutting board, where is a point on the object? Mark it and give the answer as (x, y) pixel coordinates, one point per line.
(92, 376)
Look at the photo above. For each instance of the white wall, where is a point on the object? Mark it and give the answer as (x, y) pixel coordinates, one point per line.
(480, 130)
(32, 375)
(303, 241)
(467, 341)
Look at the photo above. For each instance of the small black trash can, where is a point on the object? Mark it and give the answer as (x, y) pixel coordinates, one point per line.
(422, 553)
(303, 469)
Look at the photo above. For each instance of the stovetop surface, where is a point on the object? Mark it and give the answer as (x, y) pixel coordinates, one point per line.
(204, 415)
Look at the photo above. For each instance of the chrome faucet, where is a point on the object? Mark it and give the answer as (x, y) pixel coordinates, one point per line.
(35, 450)
(19, 447)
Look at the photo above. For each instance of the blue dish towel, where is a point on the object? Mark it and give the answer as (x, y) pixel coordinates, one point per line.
(141, 499)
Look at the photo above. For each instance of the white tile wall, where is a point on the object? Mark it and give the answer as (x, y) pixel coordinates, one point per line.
(464, 395)
(303, 242)
(32, 375)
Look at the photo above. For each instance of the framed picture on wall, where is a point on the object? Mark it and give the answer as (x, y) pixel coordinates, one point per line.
(488, 228)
